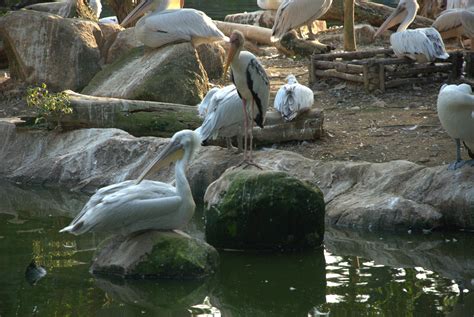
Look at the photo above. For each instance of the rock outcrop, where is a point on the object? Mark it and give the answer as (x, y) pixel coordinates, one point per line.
(170, 74)
(43, 47)
(384, 196)
(155, 254)
(263, 209)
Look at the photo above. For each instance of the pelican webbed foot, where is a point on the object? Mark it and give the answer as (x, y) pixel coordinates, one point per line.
(456, 164)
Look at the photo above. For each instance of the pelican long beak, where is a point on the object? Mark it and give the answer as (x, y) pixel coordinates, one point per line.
(171, 153)
(137, 12)
(230, 57)
(393, 19)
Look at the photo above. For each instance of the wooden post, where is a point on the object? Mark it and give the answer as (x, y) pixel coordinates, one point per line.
(349, 33)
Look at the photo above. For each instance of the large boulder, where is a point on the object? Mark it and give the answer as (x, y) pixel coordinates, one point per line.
(155, 254)
(262, 209)
(169, 74)
(42, 47)
(123, 43)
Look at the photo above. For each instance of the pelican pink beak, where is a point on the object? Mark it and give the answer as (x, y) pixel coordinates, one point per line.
(395, 18)
(137, 12)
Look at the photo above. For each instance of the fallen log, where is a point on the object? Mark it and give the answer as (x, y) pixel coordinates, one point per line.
(290, 44)
(251, 32)
(263, 18)
(369, 12)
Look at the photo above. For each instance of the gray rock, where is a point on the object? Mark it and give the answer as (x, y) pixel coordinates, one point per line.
(212, 57)
(155, 254)
(123, 43)
(263, 209)
(41, 47)
(386, 196)
(169, 74)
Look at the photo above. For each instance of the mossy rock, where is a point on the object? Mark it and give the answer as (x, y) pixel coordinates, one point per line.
(252, 209)
(155, 254)
(172, 73)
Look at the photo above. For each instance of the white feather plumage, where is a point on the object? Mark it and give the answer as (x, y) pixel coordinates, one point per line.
(293, 99)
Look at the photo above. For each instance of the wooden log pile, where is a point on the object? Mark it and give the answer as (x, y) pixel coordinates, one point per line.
(379, 69)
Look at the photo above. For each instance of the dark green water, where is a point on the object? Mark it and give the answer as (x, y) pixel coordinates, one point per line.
(357, 274)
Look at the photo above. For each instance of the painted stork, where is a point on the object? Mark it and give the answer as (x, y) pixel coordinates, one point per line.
(223, 116)
(456, 114)
(293, 14)
(293, 99)
(253, 85)
(136, 205)
(422, 45)
(166, 25)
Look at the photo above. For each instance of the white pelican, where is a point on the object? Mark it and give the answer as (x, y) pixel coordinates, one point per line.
(423, 44)
(457, 23)
(251, 81)
(269, 4)
(456, 114)
(136, 205)
(293, 99)
(205, 103)
(224, 117)
(166, 25)
(459, 4)
(293, 14)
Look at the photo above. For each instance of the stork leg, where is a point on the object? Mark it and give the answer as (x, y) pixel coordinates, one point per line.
(251, 131)
(459, 162)
(246, 124)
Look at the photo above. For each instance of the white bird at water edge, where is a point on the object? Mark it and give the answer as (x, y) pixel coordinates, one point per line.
(165, 25)
(252, 83)
(293, 99)
(293, 14)
(137, 205)
(422, 44)
(456, 114)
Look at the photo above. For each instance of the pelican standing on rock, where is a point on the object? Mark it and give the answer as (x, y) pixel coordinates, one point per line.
(457, 23)
(253, 85)
(293, 99)
(137, 205)
(293, 14)
(224, 116)
(456, 114)
(165, 25)
(422, 45)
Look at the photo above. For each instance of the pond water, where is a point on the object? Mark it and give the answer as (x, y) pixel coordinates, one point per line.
(356, 274)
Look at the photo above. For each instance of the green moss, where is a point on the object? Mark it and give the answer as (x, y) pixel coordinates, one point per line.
(266, 210)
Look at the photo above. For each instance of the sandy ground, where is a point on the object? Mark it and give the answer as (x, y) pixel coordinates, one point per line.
(401, 123)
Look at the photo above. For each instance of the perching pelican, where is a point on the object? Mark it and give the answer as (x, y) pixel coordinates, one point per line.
(293, 14)
(457, 23)
(224, 116)
(423, 44)
(269, 4)
(136, 205)
(456, 113)
(252, 83)
(293, 99)
(166, 25)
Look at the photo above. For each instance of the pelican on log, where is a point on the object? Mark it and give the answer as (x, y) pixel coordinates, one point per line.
(166, 25)
(252, 83)
(293, 99)
(223, 116)
(136, 205)
(422, 45)
(456, 23)
(292, 14)
(456, 114)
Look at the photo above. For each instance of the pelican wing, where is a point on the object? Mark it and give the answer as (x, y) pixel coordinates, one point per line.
(423, 41)
(203, 107)
(459, 4)
(225, 114)
(259, 85)
(292, 14)
(467, 19)
(448, 20)
(182, 25)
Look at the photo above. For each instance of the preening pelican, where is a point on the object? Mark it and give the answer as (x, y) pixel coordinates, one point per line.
(224, 117)
(136, 205)
(165, 25)
(456, 114)
(269, 4)
(293, 99)
(423, 44)
(252, 83)
(293, 14)
(457, 23)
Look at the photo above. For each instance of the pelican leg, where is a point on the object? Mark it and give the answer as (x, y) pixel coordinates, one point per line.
(459, 162)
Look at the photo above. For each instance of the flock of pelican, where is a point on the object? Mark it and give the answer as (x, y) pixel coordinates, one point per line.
(141, 204)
